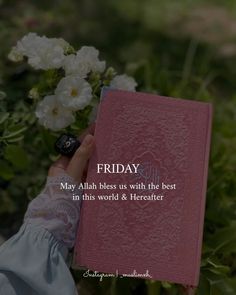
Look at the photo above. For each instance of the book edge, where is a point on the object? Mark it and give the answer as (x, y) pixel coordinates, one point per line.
(204, 193)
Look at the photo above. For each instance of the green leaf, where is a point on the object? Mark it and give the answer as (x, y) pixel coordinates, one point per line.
(17, 156)
(212, 277)
(15, 139)
(204, 286)
(218, 268)
(13, 132)
(153, 287)
(6, 171)
(225, 287)
(166, 285)
(48, 140)
(229, 247)
(3, 117)
(224, 240)
(226, 233)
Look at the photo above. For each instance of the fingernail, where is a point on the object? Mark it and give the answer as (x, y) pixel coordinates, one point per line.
(88, 140)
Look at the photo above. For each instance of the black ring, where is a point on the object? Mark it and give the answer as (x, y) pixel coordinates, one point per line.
(67, 144)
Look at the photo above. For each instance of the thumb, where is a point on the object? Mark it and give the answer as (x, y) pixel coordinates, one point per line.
(79, 160)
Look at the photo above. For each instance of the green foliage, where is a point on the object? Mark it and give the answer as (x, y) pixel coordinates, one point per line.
(16, 156)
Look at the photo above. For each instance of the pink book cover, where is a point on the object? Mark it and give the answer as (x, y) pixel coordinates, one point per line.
(170, 140)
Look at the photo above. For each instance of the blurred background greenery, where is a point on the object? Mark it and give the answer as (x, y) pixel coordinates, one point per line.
(176, 48)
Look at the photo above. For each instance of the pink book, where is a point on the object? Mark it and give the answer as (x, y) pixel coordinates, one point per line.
(149, 222)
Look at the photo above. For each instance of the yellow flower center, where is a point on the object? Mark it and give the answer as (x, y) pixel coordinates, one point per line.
(74, 92)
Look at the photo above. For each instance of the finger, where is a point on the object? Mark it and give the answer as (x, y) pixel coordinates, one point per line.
(85, 172)
(79, 160)
(59, 166)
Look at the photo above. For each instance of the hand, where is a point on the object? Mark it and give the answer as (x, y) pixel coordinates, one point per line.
(76, 166)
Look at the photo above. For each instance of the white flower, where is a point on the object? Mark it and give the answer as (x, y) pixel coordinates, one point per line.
(42, 52)
(85, 61)
(15, 55)
(60, 42)
(74, 92)
(52, 114)
(123, 82)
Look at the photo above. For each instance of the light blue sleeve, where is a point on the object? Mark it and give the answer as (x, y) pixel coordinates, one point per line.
(33, 261)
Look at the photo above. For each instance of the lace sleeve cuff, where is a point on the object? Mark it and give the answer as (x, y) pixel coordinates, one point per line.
(55, 210)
